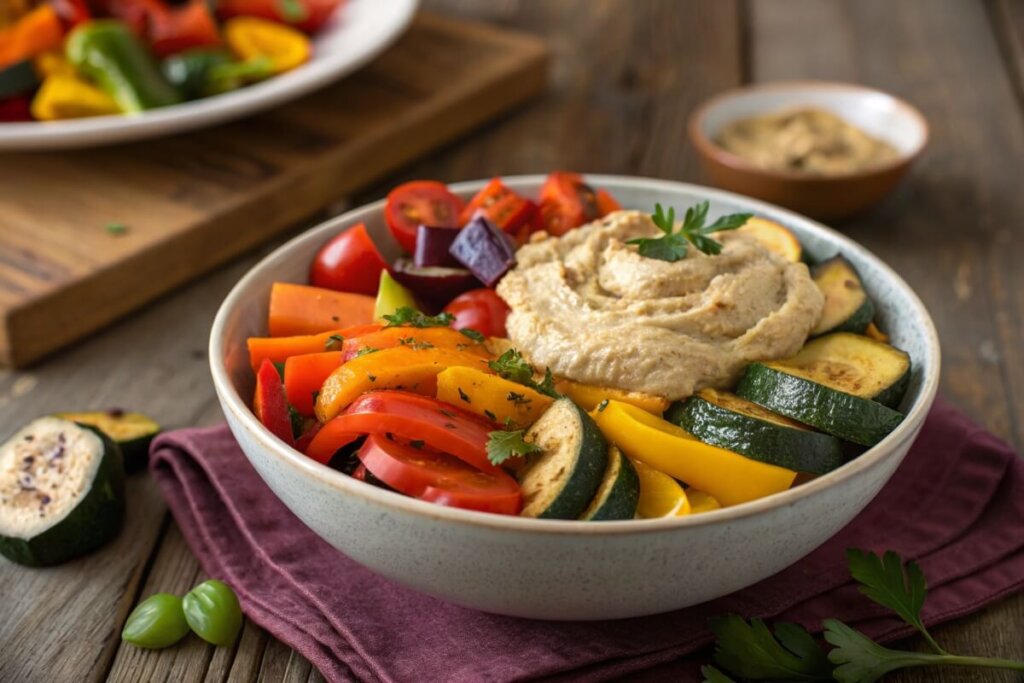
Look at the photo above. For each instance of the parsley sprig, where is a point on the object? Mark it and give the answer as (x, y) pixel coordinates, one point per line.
(503, 445)
(751, 651)
(673, 246)
(512, 366)
(406, 315)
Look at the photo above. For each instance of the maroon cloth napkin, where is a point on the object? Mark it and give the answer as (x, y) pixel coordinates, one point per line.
(956, 505)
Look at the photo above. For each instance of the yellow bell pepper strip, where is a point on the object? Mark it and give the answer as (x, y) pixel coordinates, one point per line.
(729, 477)
(36, 32)
(54, 62)
(588, 396)
(493, 397)
(701, 502)
(402, 367)
(252, 38)
(69, 97)
(660, 494)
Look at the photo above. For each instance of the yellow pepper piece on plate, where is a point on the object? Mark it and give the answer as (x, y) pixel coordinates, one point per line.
(729, 477)
(52, 63)
(251, 38)
(701, 502)
(491, 396)
(68, 97)
(588, 396)
(660, 494)
(401, 367)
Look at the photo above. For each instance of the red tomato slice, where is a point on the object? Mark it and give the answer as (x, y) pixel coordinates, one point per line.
(439, 478)
(502, 206)
(269, 404)
(420, 202)
(408, 416)
(481, 310)
(181, 28)
(606, 203)
(566, 202)
(350, 262)
(313, 15)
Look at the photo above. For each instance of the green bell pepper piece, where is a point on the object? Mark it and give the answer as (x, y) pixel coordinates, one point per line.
(202, 72)
(111, 55)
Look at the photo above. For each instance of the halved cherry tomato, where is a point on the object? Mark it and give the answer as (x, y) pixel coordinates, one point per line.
(502, 206)
(439, 478)
(310, 16)
(420, 202)
(409, 416)
(350, 262)
(606, 203)
(180, 28)
(270, 405)
(567, 202)
(481, 310)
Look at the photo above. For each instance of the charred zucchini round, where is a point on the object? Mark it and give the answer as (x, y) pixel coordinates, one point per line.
(132, 432)
(619, 492)
(847, 306)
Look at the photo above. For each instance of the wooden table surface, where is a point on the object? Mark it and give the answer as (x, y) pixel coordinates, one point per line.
(626, 74)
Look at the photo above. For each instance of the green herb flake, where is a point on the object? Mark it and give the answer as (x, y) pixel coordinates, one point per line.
(372, 378)
(503, 445)
(116, 229)
(365, 350)
(490, 415)
(446, 413)
(463, 395)
(472, 334)
(512, 366)
(292, 11)
(407, 315)
(334, 342)
(417, 443)
(518, 399)
(415, 344)
(602, 405)
(672, 246)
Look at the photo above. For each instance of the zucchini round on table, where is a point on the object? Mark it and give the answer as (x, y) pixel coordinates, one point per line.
(619, 492)
(560, 481)
(842, 384)
(847, 306)
(132, 432)
(61, 492)
(728, 421)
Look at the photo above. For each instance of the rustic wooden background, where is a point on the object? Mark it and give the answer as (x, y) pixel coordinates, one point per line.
(626, 73)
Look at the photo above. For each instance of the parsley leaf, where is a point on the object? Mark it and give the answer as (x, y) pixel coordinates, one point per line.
(407, 315)
(749, 650)
(713, 675)
(334, 342)
(672, 246)
(116, 229)
(472, 334)
(293, 11)
(887, 582)
(547, 385)
(365, 350)
(512, 366)
(503, 445)
(415, 344)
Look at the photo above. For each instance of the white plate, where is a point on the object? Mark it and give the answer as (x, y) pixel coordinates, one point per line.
(358, 32)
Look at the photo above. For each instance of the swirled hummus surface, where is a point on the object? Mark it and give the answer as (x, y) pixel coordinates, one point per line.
(588, 306)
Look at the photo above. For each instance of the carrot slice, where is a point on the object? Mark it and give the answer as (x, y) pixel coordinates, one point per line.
(300, 309)
(280, 349)
(413, 337)
(304, 375)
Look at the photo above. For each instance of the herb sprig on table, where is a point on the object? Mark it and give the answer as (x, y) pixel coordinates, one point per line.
(673, 245)
(751, 651)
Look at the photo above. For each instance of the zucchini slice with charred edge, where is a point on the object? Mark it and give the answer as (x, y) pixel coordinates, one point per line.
(618, 493)
(728, 421)
(560, 481)
(848, 308)
(61, 492)
(132, 432)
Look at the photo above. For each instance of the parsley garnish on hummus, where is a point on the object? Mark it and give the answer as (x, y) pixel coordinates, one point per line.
(672, 246)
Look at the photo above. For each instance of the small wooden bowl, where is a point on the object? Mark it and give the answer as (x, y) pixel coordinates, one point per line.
(829, 197)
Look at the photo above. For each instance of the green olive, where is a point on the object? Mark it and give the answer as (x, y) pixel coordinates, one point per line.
(158, 621)
(212, 610)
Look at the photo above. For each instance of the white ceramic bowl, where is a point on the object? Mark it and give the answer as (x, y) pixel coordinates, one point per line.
(562, 569)
(357, 33)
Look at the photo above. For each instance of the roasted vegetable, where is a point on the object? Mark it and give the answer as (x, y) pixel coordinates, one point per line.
(18, 79)
(485, 250)
(203, 72)
(132, 432)
(303, 310)
(38, 31)
(847, 306)
(69, 97)
(435, 286)
(433, 245)
(619, 492)
(281, 47)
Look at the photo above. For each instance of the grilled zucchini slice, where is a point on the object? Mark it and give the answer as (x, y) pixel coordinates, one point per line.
(725, 420)
(132, 432)
(560, 481)
(847, 306)
(619, 492)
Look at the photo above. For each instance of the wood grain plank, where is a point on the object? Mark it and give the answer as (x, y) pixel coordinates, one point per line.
(193, 201)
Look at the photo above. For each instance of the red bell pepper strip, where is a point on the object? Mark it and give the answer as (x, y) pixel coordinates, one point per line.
(15, 109)
(138, 14)
(305, 15)
(406, 415)
(270, 405)
(180, 28)
(72, 12)
(304, 375)
(37, 32)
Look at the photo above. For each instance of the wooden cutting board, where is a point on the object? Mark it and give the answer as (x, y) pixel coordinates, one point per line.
(191, 202)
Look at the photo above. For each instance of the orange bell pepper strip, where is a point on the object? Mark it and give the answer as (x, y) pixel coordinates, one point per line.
(300, 309)
(407, 416)
(38, 31)
(280, 349)
(304, 375)
(415, 338)
(402, 367)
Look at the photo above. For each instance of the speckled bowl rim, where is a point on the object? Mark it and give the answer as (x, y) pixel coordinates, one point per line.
(346, 485)
(708, 148)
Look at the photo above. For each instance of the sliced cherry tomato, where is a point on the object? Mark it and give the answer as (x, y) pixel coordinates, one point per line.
(481, 310)
(270, 405)
(138, 14)
(439, 478)
(180, 28)
(309, 15)
(406, 415)
(420, 202)
(606, 203)
(502, 206)
(350, 262)
(566, 202)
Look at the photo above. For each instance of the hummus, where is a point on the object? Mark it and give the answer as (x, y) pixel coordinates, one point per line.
(809, 140)
(588, 306)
